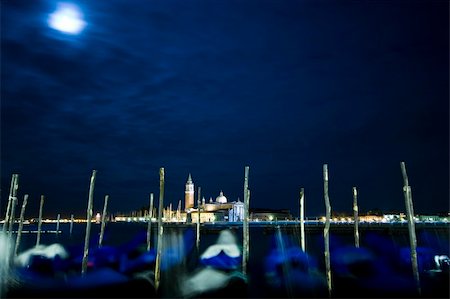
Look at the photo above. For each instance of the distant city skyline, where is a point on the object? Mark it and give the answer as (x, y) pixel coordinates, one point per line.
(367, 209)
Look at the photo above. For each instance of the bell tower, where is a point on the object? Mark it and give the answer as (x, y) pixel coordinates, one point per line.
(189, 194)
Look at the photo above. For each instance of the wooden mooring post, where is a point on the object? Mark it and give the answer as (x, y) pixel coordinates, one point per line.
(160, 230)
(245, 241)
(102, 229)
(14, 201)
(326, 231)
(58, 219)
(149, 224)
(88, 223)
(198, 218)
(41, 206)
(302, 219)
(13, 206)
(71, 225)
(19, 231)
(411, 226)
(10, 199)
(356, 216)
(179, 211)
(247, 237)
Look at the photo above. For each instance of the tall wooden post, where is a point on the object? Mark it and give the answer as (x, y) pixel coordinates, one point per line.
(71, 225)
(88, 223)
(326, 231)
(149, 225)
(411, 226)
(302, 219)
(247, 236)
(58, 219)
(19, 232)
(10, 199)
(41, 205)
(102, 229)
(198, 219)
(13, 205)
(160, 229)
(179, 211)
(245, 222)
(355, 216)
(13, 215)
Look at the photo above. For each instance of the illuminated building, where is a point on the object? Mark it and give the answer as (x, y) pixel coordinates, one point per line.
(189, 194)
(218, 210)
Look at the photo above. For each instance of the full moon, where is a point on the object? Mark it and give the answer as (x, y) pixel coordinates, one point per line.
(67, 18)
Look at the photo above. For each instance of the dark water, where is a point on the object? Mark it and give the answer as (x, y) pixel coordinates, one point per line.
(387, 241)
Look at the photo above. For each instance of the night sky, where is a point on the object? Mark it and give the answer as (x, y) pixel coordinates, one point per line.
(209, 86)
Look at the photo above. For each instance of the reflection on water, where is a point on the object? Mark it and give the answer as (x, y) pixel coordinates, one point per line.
(277, 265)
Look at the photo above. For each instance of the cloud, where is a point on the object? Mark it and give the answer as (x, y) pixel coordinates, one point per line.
(209, 88)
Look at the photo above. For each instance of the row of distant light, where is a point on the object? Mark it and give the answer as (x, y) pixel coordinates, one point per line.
(322, 219)
(142, 219)
(383, 220)
(52, 221)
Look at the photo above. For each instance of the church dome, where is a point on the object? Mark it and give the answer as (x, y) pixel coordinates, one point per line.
(221, 198)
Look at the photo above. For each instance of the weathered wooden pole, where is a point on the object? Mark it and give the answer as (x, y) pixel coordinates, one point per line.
(245, 222)
(160, 229)
(41, 205)
(88, 223)
(19, 231)
(355, 216)
(14, 202)
(13, 215)
(8, 208)
(326, 231)
(247, 237)
(102, 229)
(71, 225)
(179, 211)
(58, 219)
(149, 225)
(411, 226)
(302, 218)
(198, 219)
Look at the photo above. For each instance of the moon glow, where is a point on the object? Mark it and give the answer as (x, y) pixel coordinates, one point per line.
(67, 18)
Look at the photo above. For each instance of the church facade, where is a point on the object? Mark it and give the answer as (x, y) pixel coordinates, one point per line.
(218, 210)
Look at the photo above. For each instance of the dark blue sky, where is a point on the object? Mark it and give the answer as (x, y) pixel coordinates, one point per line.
(210, 86)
